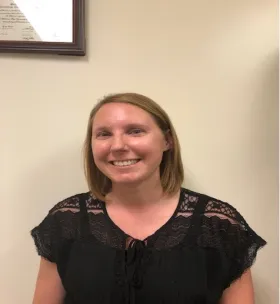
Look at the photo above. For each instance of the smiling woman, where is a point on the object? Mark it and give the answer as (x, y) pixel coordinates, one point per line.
(127, 145)
(132, 126)
(138, 236)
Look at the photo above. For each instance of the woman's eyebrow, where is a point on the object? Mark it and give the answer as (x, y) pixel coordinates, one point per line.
(136, 125)
(126, 126)
(99, 128)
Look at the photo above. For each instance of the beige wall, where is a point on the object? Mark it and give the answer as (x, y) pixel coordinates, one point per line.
(213, 66)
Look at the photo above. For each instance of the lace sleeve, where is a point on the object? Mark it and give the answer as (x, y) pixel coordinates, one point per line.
(60, 224)
(44, 237)
(238, 241)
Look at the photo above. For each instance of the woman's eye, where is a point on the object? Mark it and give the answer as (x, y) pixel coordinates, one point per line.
(102, 134)
(135, 131)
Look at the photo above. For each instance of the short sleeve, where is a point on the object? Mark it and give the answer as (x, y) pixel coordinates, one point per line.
(231, 234)
(45, 237)
(60, 224)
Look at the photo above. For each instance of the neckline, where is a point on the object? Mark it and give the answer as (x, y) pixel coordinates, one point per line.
(114, 225)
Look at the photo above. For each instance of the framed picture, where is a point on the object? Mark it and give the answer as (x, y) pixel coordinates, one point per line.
(43, 26)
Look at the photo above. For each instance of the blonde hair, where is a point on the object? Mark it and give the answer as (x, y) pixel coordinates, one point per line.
(171, 167)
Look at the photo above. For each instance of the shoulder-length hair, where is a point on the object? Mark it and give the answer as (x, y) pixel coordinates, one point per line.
(171, 167)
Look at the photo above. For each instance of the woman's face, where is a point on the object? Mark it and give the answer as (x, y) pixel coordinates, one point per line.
(127, 144)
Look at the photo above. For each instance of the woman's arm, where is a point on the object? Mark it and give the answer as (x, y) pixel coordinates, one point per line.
(49, 289)
(240, 292)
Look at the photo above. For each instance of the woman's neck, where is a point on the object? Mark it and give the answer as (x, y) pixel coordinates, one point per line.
(136, 196)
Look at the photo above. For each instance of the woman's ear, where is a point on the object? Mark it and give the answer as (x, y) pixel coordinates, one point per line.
(168, 141)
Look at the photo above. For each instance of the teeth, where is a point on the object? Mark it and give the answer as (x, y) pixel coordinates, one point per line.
(125, 163)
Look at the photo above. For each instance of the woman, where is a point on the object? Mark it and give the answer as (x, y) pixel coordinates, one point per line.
(138, 236)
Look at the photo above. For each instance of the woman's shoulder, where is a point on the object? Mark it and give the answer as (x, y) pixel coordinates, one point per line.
(62, 222)
(75, 202)
(210, 206)
(220, 222)
(222, 227)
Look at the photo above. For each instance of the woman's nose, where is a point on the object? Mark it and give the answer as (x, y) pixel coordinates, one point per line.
(118, 143)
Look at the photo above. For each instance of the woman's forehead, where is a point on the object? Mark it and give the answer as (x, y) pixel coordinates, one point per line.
(121, 113)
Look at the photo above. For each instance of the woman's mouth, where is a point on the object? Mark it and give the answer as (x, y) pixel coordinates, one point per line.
(124, 163)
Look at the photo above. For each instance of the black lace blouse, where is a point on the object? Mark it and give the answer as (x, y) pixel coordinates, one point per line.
(192, 259)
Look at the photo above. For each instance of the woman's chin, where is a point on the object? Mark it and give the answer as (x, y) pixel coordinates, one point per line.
(126, 180)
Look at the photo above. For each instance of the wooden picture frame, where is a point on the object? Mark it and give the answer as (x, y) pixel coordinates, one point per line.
(50, 27)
